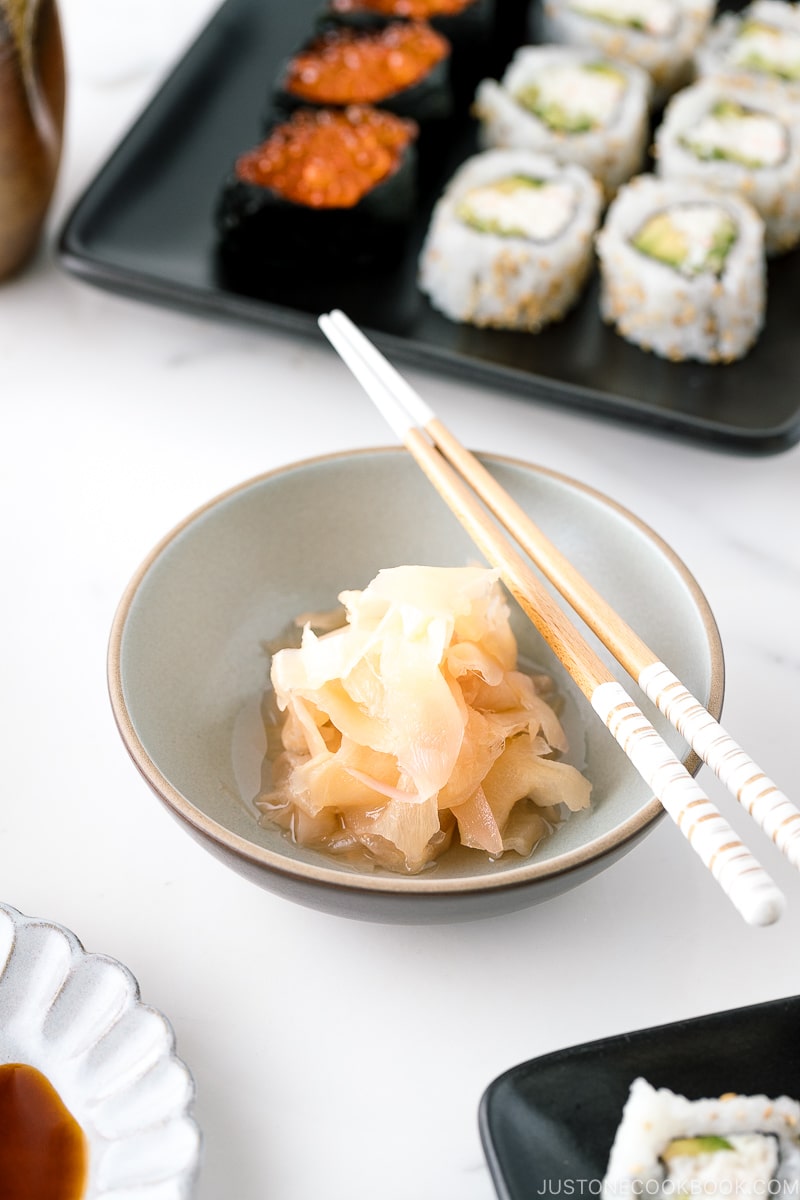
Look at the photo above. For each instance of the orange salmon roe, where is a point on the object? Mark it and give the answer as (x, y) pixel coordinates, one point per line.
(328, 159)
(418, 10)
(349, 66)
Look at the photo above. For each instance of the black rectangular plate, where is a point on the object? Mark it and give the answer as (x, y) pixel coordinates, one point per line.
(548, 1124)
(144, 228)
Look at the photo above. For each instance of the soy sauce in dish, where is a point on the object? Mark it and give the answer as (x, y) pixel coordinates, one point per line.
(42, 1146)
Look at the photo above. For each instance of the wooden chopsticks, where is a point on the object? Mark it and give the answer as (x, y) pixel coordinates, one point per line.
(739, 874)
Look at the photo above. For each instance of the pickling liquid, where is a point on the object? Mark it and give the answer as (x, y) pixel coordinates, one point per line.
(257, 743)
(42, 1147)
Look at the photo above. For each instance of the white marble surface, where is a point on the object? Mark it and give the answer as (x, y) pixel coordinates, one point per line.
(332, 1058)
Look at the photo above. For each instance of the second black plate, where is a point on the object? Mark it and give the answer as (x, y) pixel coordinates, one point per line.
(548, 1124)
(144, 228)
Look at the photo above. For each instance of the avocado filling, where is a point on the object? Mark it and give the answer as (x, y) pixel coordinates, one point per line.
(730, 132)
(519, 206)
(744, 1162)
(694, 239)
(695, 1145)
(768, 50)
(657, 18)
(574, 99)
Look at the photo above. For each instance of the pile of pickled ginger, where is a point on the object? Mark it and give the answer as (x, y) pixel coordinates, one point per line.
(410, 727)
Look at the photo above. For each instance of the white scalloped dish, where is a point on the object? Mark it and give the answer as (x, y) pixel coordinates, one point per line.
(78, 1019)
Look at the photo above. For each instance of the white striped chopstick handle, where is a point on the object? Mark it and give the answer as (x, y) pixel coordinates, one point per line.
(744, 881)
(770, 809)
(739, 875)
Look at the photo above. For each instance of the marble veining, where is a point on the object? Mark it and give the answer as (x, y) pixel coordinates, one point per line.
(304, 1032)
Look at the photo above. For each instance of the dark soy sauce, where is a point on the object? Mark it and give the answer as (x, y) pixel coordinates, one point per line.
(42, 1146)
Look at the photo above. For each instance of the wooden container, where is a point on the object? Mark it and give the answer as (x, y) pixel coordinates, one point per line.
(32, 88)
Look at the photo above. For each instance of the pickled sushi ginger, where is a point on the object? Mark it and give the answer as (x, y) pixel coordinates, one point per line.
(411, 727)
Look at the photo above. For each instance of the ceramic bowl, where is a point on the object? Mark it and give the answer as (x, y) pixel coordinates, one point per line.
(187, 668)
(77, 1018)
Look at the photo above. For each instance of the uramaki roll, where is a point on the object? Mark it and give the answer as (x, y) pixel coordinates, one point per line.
(760, 44)
(659, 35)
(741, 138)
(731, 1145)
(510, 241)
(574, 104)
(683, 270)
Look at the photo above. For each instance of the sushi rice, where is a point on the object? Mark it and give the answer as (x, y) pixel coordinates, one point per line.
(661, 36)
(510, 240)
(761, 45)
(741, 139)
(667, 1145)
(683, 270)
(572, 103)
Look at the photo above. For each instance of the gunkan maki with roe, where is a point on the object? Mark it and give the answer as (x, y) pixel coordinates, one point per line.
(468, 25)
(400, 66)
(441, 13)
(325, 184)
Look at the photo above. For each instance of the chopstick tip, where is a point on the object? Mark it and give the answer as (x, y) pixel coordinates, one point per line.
(345, 339)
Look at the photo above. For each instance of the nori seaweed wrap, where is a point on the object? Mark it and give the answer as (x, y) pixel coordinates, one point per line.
(326, 185)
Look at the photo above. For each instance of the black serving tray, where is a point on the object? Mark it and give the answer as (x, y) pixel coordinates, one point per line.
(144, 228)
(548, 1124)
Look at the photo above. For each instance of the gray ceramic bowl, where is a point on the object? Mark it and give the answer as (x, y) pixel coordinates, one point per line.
(187, 666)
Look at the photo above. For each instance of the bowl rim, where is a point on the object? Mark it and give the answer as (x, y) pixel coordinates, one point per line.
(424, 884)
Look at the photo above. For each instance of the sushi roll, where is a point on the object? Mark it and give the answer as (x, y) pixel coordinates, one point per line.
(468, 25)
(760, 44)
(510, 240)
(667, 1145)
(683, 271)
(574, 104)
(325, 185)
(742, 139)
(400, 66)
(659, 35)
